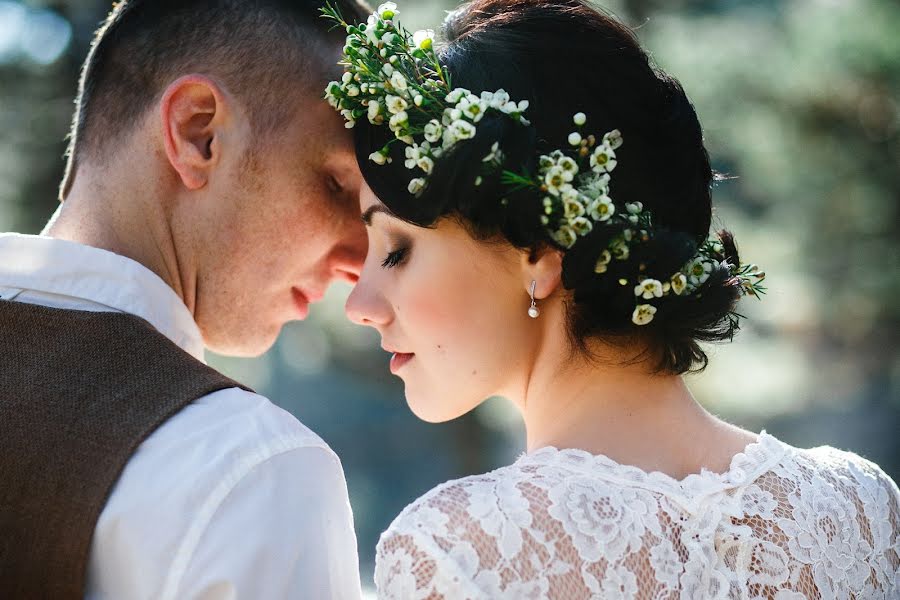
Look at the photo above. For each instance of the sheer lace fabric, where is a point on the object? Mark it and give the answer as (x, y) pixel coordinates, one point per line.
(781, 523)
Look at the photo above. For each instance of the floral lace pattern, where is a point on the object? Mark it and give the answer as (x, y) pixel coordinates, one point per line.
(781, 523)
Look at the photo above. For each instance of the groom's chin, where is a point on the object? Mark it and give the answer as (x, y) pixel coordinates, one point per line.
(244, 343)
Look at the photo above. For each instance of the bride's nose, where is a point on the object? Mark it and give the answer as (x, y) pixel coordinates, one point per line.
(366, 305)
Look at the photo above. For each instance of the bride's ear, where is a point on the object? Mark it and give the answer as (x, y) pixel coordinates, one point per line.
(544, 267)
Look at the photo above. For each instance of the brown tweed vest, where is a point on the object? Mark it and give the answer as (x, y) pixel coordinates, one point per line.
(79, 391)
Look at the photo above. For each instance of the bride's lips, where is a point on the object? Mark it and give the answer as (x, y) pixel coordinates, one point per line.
(399, 359)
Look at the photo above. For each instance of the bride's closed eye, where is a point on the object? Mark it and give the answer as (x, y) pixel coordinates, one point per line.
(395, 258)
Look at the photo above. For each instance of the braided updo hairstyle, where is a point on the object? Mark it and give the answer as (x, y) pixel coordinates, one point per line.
(564, 57)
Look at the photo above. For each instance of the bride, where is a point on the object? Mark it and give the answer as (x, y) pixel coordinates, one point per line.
(539, 218)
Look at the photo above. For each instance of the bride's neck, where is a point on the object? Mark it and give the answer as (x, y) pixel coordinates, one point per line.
(627, 413)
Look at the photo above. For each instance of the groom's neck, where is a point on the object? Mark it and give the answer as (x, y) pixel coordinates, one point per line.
(127, 216)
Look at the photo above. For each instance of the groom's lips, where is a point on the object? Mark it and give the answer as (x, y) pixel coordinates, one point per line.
(301, 302)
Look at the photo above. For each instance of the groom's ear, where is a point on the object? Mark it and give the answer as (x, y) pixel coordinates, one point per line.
(193, 114)
(544, 267)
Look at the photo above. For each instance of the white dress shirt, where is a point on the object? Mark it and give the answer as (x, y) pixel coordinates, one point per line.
(232, 498)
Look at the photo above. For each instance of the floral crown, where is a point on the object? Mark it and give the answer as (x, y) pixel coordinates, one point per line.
(393, 76)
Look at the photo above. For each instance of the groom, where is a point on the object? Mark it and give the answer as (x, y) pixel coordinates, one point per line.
(210, 196)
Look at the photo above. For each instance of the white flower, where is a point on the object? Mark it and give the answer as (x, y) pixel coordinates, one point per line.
(574, 138)
(463, 130)
(602, 262)
(602, 208)
(580, 119)
(545, 220)
(565, 236)
(545, 162)
(581, 225)
(634, 208)
(679, 283)
(398, 121)
(596, 186)
(497, 100)
(570, 194)
(395, 104)
(398, 81)
(555, 179)
(387, 11)
(426, 164)
(698, 271)
(433, 131)
(649, 288)
(454, 96)
(375, 116)
(603, 160)
(472, 107)
(620, 250)
(413, 154)
(379, 159)
(495, 156)
(569, 166)
(423, 38)
(416, 186)
(418, 100)
(388, 69)
(613, 139)
(353, 91)
(573, 208)
(643, 314)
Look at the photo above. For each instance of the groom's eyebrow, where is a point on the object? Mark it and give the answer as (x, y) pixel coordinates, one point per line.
(375, 208)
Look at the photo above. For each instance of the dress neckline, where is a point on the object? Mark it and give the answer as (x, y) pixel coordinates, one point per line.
(755, 459)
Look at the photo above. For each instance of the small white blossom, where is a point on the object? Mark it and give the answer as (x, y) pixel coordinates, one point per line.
(472, 107)
(643, 314)
(634, 208)
(423, 38)
(596, 186)
(570, 194)
(413, 154)
(603, 262)
(573, 208)
(580, 119)
(387, 11)
(387, 69)
(375, 116)
(352, 91)
(649, 288)
(454, 96)
(416, 186)
(418, 100)
(620, 250)
(545, 220)
(495, 156)
(698, 271)
(613, 139)
(603, 160)
(478, 180)
(555, 179)
(679, 283)
(347, 77)
(398, 81)
(565, 236)
(574, 138)
(602, 208)
(581, 226)
(398, 121)
(568, 165)
(395, 104)
(379, 159)
(497, 100)
(433, 131)
(463, 130)
(426, 164)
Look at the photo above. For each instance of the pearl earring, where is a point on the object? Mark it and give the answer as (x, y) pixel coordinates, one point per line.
(533, 310)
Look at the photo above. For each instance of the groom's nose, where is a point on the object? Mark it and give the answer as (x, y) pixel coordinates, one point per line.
(346, 261)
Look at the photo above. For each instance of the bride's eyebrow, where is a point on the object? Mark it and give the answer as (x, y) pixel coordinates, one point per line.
(375, 208)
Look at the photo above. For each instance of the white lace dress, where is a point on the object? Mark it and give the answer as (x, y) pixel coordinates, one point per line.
(781, 523)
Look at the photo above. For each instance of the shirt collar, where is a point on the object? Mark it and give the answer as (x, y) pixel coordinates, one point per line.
(52, 266)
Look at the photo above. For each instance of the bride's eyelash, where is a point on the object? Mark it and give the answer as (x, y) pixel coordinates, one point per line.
(394, 258)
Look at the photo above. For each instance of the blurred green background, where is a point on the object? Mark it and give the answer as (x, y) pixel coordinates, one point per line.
(800, 102)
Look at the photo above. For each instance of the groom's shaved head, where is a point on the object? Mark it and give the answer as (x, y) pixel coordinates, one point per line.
(266, 52)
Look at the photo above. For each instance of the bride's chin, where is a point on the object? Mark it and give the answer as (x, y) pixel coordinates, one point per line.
(431, 409)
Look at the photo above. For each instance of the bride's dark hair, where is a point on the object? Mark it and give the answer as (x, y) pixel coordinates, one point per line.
(564, 57)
